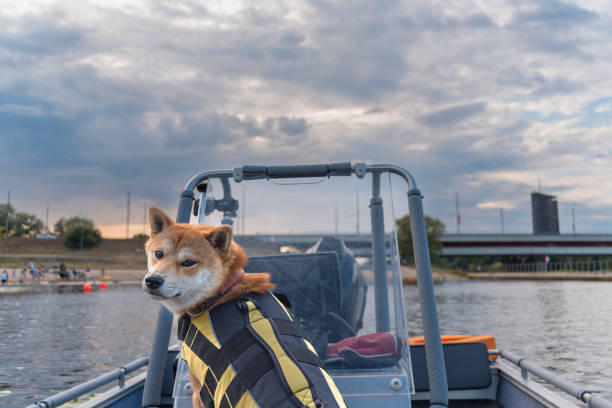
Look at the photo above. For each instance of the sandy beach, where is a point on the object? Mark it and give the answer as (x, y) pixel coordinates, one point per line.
(409, 275)
(91, 275)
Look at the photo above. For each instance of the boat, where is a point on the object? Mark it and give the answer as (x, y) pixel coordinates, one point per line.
(357, 327)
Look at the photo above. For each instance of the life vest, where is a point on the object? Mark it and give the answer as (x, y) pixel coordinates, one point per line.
(249, 353)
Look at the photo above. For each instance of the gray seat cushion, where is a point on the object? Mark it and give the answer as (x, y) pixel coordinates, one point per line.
(467, 366)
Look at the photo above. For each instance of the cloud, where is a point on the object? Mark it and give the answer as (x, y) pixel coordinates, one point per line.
(451, 116)
(496, 205)
(39, 34)
(373, 111)
(558, 86)
(292, 126)
(96, 100)
(553, 14)
(604, 108)
(22, 110)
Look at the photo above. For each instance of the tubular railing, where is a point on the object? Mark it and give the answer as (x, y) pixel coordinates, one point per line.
(433, 346)
(582, 394)
(75, 392)
(573, 266)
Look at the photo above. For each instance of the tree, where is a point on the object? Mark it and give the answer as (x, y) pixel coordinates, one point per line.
(434, 227)
(90, 236)
(63, 225)
(19, 224)
(27, 225)
(11, 216)
(60, 226)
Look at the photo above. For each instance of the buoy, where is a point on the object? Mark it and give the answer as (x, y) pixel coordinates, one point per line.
(87, 287)
(102, 285)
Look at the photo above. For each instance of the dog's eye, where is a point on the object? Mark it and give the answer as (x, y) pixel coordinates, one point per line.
(159, 254)
(188, 263)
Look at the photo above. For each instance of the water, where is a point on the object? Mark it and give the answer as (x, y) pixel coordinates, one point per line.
(49, 342)
(563, 326)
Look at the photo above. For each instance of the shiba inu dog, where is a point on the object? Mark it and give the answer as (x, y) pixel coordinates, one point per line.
(188, 264)
(241, 344)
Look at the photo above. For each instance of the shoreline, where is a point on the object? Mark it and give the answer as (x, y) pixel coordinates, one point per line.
(542, 276)
(63, 287)
(51, 282)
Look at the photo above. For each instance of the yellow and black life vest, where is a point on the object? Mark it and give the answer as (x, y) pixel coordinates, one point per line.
(249, 353)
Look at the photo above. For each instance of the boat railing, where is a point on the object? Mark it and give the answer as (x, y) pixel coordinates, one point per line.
(431, 330)
(527, 366)
(88, 386)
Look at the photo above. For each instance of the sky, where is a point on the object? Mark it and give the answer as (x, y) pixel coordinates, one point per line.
(486, 99)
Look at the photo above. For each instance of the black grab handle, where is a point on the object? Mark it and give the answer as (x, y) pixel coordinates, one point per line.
(313, 170)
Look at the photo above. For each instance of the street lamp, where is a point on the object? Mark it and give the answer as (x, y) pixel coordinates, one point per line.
(8, 204)
(47, 218)
(81, 227)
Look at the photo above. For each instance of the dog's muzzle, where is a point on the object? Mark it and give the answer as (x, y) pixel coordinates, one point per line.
(154, 281)
(153, 286)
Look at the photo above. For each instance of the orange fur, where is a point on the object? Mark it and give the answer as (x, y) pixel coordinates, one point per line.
(196, 401)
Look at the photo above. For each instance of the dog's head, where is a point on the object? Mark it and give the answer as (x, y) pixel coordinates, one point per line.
(188, 263)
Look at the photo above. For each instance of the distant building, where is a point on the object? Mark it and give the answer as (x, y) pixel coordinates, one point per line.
(545, 214)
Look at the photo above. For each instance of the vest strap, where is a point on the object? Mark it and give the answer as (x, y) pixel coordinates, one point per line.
(183, 326)
(289, 328)
(306, 356)
(210, 381)
(203, 348)
(206, 396)
(246, 378)
(257, 368)
(232, 349)
(250, 307)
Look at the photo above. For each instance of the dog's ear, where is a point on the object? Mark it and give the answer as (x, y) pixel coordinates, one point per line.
(159, 220)
(221, 238)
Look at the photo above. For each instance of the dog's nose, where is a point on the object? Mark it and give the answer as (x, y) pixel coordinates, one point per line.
(154, 281)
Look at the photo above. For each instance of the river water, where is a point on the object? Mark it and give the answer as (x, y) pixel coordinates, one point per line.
(49, 342)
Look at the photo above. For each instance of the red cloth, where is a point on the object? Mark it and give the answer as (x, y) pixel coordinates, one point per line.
(368, 345)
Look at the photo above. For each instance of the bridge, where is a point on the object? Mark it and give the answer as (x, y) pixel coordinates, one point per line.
(468, 244)
(360, 245)
(526, 245)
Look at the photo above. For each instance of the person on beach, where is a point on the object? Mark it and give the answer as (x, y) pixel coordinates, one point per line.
(4, 278)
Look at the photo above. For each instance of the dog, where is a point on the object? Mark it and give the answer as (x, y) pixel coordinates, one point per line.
(189, 263)
(193, 269)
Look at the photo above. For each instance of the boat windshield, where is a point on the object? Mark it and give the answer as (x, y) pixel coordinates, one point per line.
(315, 238)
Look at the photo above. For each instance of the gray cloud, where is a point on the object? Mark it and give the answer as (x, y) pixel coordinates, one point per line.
(98, 101)
(553, 14)
(42, 34)
(292, 126)
(451, 116)
(558, 87)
